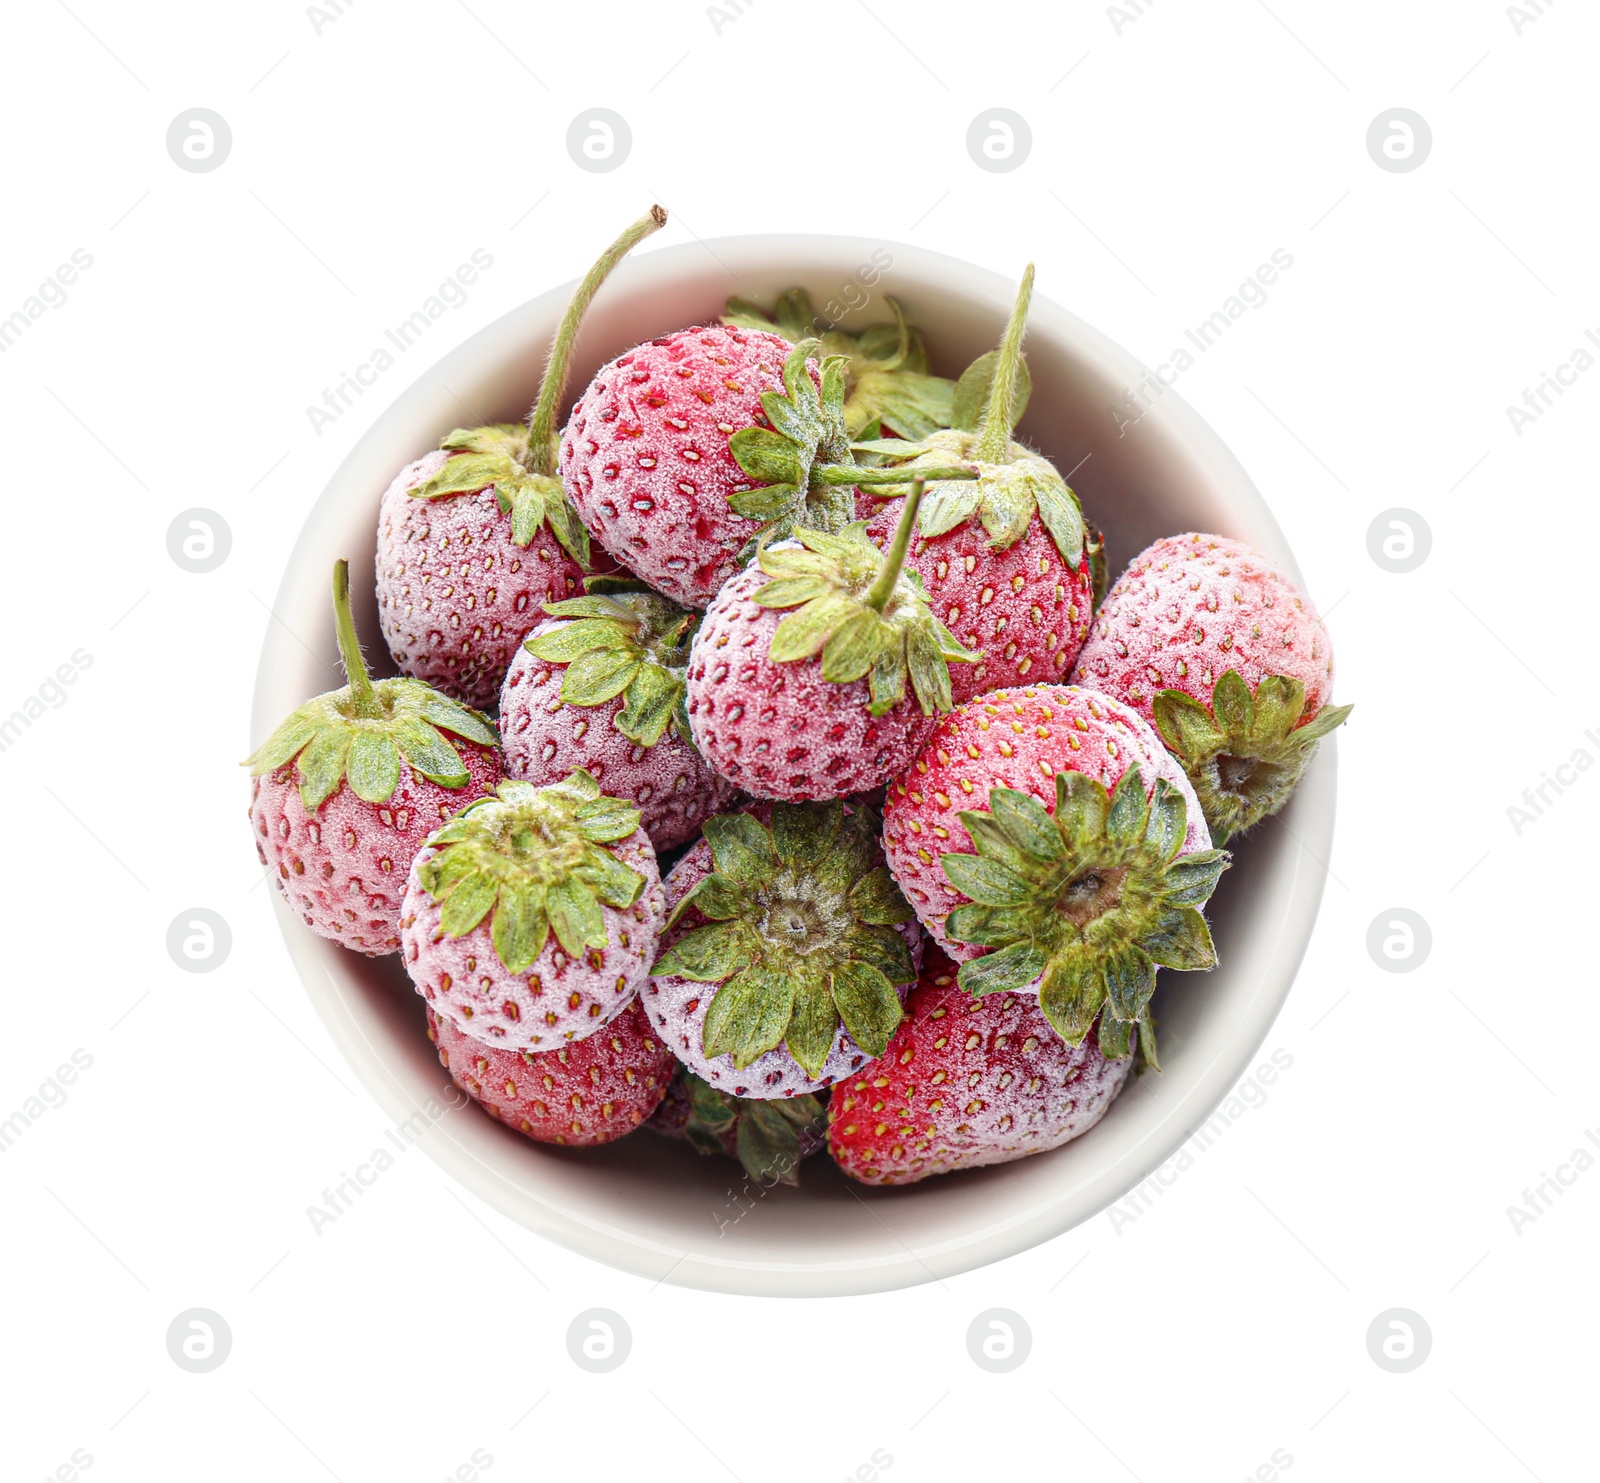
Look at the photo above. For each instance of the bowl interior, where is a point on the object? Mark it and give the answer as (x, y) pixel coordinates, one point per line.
(653, 1206)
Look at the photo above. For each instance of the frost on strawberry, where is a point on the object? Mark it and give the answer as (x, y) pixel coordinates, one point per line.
(587, 1092)
(348, 787)
(532, 917)
(1008, 562)
(473, 538)
(887, 382)
(834, 697)
(600, 685)
(786, 953)
(1211, 642)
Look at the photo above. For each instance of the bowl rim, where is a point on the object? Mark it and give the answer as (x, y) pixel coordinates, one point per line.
(455, 1146)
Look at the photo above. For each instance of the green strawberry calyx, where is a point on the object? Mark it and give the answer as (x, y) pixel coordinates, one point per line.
(519, 460)
(800, 935)
(887, 378)
(1086, 902)
(805, 471)
(623, 639)
(1245, 753)
(865, 611)
(1013, 481)
(766, 1135)
(533, 861)
(360, 734)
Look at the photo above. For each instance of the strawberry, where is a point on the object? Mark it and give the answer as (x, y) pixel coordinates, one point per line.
(532, 917)
(814, 705)
(888, 386)
(588, 1092)
(967, 1081)
(1053, 847)
(769, 1137)
(600, 686)
(345, 791)
(687, 451)
(1007, 561)
(786, 952)
(473, 537)
(1209, 640)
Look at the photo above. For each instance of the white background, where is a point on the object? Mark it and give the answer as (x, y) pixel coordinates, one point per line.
(1173, 151)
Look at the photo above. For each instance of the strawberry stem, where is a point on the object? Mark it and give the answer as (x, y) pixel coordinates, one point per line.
(364, 700)
(994, 433)
(895, 557)
(542, 420)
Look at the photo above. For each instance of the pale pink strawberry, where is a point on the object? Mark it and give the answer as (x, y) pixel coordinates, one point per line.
(344, 792)
(532, 918)
(1211, 642)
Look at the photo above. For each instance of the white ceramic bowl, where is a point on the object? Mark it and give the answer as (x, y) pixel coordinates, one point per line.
(652, 1206)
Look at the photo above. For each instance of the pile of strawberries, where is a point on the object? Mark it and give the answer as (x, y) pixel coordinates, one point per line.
(832, 801)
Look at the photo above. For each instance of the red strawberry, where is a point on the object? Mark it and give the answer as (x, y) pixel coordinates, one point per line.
(786, 952)
(888, 387)
(1210, 641)
(770, 1137)
(378, 766)
(473, 538)
(687, 451)
(586, 1093)
(1007, 562)
(532, 917)
(600, 686)
(815, 705)
(966, 1082)
(1047, 838)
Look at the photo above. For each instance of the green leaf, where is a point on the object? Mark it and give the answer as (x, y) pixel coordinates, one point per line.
(987, 882)
(812, 1025)
(1185, 725)
(741, 848)
(652, 694)
(605, 820)
(374, 766)
(1026, 821)
(278, 748)
(867, 1004)
(570, 641)
(748, 1015)
(886, 685)
(466, 473)
(1062, 517)
(1130, 981)
(795, 319)
(882, 948)
(989, 838)
(1329, 718)
(713, 896)
(1070, 995)
(593, 605)
(899, 449)
(1007, 506)
(876, 899)
(767, 456)
(576, 917)
(1126, 816)
(321, 766)
(1231, 704)
(768, 502)
(599, 676)
(947, 503)
(1115, 1037)
(767, 1144)
(467, 904)
(612, 881)
(1082, 806)
(805, 630)
(1191, 880)
(468, 724)
(1168, 823)
(989, 926)
(853, 647)
(802, 834)
(1010, 969)
(1183, 941)
(707, 954)
(495, 437)
(971, 395)
(1147, 1042)
(1278, 703)
(790, 592)
(430, 753)
(520, 927)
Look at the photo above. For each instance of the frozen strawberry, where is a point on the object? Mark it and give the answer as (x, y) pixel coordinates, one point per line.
(967, 1081)
(1052, 845)
(786, 953)
(1007, 562)
(1209, 640)
(815, 704)
(687, 451)
(474, 537)
(591, 1091)
(770, 1137)
(888, 388)
(600, 685)
(345, 791)
(532, 918)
